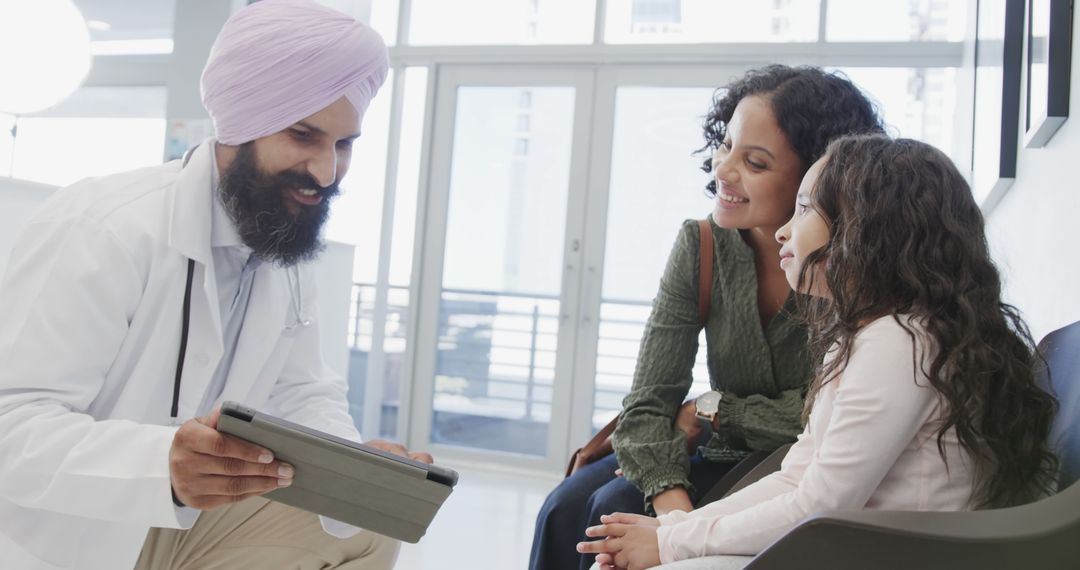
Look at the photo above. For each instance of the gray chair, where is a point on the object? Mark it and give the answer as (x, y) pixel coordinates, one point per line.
(1044, 535)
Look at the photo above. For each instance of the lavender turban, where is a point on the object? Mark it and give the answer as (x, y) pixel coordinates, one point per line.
(278, 61)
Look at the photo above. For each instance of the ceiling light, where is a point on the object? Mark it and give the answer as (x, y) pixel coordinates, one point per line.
(44, 54)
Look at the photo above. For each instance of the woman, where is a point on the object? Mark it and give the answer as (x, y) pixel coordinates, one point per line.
(924, 396)
(764, 131)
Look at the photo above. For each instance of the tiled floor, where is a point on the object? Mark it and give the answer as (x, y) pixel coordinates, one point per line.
(487, 523)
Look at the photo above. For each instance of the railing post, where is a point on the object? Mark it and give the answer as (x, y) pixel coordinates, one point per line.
(532, 361)
(359, 304)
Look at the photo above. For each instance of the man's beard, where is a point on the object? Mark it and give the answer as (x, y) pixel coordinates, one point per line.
(256, 202)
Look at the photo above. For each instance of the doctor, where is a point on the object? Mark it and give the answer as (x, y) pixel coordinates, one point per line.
(134, 304)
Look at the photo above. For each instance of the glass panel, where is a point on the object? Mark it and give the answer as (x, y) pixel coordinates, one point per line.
(648, 201)
(362, 317)
(499, 310)
(357, 211)
(96, 131)
(502, 22)
(917, 103)
(710, 21)
(896, 20)
(401, 250)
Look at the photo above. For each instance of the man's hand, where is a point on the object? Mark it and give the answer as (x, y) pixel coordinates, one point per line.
(673, 499)
(629, 546)
(209, 469)
(398, 449)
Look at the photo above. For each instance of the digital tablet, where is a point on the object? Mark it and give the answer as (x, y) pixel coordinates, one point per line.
(344, 480)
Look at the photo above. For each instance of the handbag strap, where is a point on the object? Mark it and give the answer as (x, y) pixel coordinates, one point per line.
(705, 276)
(601, 436)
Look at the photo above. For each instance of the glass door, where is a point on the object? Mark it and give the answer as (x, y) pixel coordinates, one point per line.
(646, 180)
(502, 246)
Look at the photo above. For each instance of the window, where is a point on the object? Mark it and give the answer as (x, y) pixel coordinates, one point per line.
(97, 131)
(501, 22)
(710, 21)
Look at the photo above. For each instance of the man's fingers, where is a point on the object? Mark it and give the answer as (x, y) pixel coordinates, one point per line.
(422, 457)
(388, 446)
(211, 420)
(238, 467)
(203, 439)
(611, 545)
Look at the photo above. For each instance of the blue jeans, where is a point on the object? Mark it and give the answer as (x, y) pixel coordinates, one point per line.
(581, 498)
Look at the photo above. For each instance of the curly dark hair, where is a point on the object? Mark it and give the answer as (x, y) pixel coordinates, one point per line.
(812, 107)
(906, 237)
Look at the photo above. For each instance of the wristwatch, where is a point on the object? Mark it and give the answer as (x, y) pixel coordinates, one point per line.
(708, 404)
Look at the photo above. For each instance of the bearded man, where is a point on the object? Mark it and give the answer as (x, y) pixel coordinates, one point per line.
(134, 304)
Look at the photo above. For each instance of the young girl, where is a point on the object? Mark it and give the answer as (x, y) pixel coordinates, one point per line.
(924, 396)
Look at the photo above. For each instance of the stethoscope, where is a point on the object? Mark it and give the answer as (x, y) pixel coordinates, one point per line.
(296, 293)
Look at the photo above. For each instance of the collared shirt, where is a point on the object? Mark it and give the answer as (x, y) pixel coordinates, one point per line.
(229, 252)
(234, 267)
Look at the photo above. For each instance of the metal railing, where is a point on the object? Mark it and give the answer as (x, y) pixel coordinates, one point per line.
(496, 349)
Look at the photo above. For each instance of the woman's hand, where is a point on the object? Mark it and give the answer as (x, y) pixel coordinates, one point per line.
(629, 546)
(673, 499)
(686, 419)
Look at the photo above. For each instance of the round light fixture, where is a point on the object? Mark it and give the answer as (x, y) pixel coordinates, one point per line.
(44, 54)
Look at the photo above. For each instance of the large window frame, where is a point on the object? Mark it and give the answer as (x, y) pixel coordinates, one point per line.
(598, 56)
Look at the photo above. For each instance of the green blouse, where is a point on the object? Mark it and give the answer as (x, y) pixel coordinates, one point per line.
(762, 373)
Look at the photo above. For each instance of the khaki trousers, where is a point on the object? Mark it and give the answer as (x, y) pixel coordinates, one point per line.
(262, 534)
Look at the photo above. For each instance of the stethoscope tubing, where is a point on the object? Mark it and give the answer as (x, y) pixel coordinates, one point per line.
(184, 326)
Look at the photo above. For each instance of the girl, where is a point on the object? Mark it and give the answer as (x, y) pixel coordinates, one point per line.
(763, 132)
(924, 397)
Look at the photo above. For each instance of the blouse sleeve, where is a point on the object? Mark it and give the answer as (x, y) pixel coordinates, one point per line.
(651, 450)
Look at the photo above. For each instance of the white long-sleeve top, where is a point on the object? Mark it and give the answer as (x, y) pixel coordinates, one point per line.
(870, 443)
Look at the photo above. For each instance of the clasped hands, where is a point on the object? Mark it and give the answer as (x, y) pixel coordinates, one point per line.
(629, 543)
(209, 469)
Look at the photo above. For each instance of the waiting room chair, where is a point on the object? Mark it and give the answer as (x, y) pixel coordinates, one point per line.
(1044, 535)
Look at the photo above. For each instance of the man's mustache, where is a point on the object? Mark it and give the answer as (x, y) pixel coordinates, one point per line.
(300, 181)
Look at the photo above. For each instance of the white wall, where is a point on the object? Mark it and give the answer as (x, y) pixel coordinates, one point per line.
(1033, 231)
(333, 277)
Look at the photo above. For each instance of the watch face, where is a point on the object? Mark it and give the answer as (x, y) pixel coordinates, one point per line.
(709, 401)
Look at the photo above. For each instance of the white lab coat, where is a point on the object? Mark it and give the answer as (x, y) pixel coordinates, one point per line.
(90, 319)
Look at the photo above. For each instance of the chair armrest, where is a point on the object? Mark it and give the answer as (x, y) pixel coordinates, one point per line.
(1039, 535)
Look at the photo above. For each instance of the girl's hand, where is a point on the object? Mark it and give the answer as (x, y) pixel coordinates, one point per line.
(626, 518)
(633, 547)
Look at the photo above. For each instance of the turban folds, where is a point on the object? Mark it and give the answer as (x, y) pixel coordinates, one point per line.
(276, 62)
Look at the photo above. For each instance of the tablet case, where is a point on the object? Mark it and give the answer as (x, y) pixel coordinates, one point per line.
(344, 480)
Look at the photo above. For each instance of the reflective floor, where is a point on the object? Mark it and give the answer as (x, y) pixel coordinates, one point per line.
(487, 523)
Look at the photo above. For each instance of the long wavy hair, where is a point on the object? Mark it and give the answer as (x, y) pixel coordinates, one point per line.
(906, 237)
(811, 107)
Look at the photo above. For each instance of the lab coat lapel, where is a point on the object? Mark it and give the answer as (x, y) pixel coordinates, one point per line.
(264, 321)
(189, 234)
